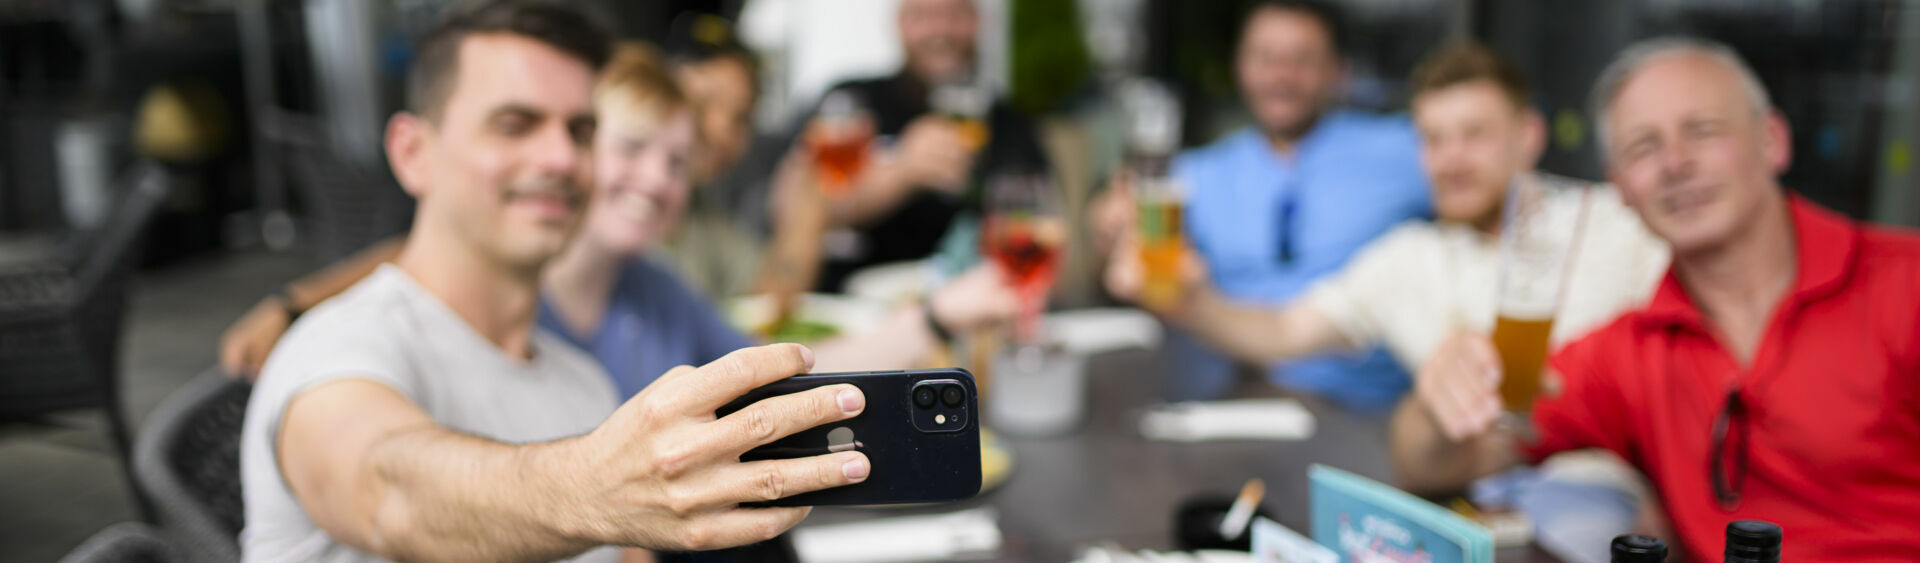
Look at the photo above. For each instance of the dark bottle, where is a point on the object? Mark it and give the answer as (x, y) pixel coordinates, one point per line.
(1639, 549)
(1753, 541)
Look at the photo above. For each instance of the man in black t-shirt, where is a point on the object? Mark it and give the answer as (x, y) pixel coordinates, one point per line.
(924, 166)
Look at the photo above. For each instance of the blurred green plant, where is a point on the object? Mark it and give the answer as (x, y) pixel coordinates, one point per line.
(1203, 45)
(1049, 54)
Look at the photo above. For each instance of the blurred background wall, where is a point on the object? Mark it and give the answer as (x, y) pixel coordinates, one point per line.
(273, 108)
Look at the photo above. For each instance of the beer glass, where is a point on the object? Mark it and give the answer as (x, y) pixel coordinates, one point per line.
(1023, 233)
(1540, 229)
(1161, 208)
(1153, 133)
(967, 104)
(838, 139)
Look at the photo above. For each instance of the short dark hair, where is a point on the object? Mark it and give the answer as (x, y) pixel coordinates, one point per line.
(699, 37)
(436, 62)
(1329, 16)
(1467, 61)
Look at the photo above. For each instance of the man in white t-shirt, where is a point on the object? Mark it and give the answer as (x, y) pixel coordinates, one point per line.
(422, 416)
(1425, 280)
(1422, 282)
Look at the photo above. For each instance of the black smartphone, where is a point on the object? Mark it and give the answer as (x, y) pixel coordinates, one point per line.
(920, 430)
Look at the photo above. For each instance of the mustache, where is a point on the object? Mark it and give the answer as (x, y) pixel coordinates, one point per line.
(1453, 175)
(942, 44)
(1281, 93)
(547, 187)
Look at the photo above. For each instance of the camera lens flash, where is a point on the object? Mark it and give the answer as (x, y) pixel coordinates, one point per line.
(939, 419)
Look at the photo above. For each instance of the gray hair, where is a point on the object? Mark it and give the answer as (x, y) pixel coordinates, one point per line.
(1639, 55)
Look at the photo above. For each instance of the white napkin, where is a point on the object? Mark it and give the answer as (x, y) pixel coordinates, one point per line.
(1247, 419)
(1092, 331)
(1116, 554)
(973, 533)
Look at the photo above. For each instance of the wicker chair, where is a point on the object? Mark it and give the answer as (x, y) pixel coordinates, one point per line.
(347, 207)
(188, 464)
(60, 318)
(126, 542)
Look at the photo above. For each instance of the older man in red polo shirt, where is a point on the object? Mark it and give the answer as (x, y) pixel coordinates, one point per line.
(1774, 375)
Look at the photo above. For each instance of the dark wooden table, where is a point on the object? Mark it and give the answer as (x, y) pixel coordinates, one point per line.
(1104, 482)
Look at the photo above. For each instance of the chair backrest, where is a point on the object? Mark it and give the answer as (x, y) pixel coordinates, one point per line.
(113, 248)
(347, 207)
(60, 343)
(187, 461)
(126, 542)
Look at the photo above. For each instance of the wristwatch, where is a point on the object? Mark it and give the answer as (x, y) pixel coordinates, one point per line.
(285, 298)
(933, 323)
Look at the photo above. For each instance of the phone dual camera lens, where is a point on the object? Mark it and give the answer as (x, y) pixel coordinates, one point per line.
(950, 395)
(941, 405)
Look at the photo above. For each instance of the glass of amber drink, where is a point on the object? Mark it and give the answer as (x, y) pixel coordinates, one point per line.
(839, 139)
(1161, 209)
(1540, 229)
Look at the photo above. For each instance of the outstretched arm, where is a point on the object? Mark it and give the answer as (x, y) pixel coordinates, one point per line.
(662, 472)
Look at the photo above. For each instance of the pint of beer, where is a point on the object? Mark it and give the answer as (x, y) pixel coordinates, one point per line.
(967, 103)
(1523, 352)
(1162, 241)
(1153, 134)
(838, 139)
(1540, 229)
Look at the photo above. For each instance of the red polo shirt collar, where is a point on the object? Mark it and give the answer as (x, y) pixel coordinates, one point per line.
(1819, 274)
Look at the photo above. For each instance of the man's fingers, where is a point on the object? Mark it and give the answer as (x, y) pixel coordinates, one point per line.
(1479, 383)
(1193, 266)
(954, 163)
(1550, 383)
(253, 360)
(726, 486)
(674, 373)
(1483, 358)
(232, 357)
(740, 526)
(1463, 399)
(773, 418)
(1457, 403)
(1123, 281)
(717, 383)
(1125, 271)
(774, 479)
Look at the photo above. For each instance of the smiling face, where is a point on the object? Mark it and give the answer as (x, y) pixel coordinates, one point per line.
(722, 91)
(1692, 153)
(1289, 70)
(645, 175)
(504, 168)
(1473, 140)
(938, 37)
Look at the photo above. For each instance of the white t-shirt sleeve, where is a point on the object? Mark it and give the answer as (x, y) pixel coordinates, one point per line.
(327, 348)
(1361, 298)
(1616, 270)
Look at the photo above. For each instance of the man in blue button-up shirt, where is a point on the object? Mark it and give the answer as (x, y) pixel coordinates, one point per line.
(1275, 206)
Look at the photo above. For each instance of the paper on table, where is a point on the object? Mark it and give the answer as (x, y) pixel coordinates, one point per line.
(1092, 331)
(1116, 554)
(1274, 543)
(973, 533)
(1247, 419)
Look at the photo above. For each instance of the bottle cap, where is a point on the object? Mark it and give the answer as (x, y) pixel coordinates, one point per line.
(1753, 540)
(1635, 548)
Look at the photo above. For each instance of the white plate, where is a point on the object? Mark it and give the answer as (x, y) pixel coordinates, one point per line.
(848, 315)
(896, 282)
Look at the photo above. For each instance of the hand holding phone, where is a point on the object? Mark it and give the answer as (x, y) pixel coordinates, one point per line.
(920, 431)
